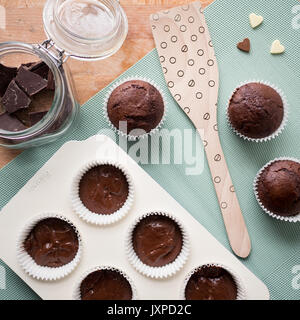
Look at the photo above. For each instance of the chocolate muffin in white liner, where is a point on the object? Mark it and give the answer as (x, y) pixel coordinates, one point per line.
(293, 218)
(145, 134)
(77, 292)
(241, 293)
(285, 112)
(170, 235)
(46, 273)
(118, 189)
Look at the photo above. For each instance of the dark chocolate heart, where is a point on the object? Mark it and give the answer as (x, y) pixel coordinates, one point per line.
(244, 45)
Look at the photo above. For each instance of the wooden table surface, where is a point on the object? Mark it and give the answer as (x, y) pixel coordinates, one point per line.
(24, 23)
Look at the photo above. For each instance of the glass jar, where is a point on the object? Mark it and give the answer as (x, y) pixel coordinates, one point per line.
(72, 27)
(86, 29)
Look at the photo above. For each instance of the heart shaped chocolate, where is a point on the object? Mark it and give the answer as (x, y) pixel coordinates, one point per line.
(277, 47)
(244, 45)
(255, 20)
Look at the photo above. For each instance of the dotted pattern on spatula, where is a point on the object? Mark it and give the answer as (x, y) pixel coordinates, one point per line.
(190, 68)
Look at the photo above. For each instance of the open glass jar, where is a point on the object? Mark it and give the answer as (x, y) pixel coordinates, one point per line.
(81, 29)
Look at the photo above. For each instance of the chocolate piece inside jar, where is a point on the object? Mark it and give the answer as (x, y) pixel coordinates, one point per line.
(11, 123)
(40, 68)
(157, 240)
(211, 283)
(35, 117)
(30, 82)
(27, 95)
(14, 98)
(52, 242)
(7, 74)
(105, 285)
(104, 189)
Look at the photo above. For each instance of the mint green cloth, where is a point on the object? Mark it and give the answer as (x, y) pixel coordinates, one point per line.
(275, 244)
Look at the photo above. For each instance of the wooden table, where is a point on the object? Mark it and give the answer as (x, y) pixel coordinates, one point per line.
(24, 23)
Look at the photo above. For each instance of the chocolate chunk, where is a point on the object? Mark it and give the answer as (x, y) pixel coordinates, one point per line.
(30, 82)
(36, 117)
(23, 116)
(2, 110)
(10, 123)
(244, 45)
(40, 68)
(42, 101)
(6, 75)
(28, 65)
(14, 98)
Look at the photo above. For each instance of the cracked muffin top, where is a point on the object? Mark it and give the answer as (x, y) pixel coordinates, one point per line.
(278, 188)
(256, 110)
(137, 103)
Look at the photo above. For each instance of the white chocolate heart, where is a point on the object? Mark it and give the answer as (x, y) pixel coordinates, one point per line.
(255, 20)
(277, 47)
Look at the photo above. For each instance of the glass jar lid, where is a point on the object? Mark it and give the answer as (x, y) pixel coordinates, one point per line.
(85, 29)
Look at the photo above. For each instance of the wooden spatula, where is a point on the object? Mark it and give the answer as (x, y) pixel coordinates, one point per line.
(191, 72)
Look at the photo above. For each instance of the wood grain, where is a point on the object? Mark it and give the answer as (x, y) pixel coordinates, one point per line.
(192, 75)
(24, 23)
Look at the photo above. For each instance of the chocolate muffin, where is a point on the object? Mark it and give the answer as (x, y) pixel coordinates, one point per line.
(104, 189)
(138, 103)
(278, 188)
(52, 243)
(157, 240)
(211, 283)
(256, 110)
(105, 285)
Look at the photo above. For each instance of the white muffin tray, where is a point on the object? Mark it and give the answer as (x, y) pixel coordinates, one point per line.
(49, 191)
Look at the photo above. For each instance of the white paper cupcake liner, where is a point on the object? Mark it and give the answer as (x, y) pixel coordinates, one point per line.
(241, 290)
(285, 110)
(77, 293)
(40, 272)
(121, 133)
(95, 218)
(158, 272)
(295, 218)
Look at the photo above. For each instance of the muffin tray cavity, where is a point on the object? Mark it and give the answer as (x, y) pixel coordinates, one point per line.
(50, 191)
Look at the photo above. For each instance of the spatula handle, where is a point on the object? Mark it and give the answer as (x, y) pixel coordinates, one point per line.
(190, 68)
(232, 215)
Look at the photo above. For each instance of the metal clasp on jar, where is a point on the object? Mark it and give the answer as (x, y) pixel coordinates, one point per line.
(58, 55)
